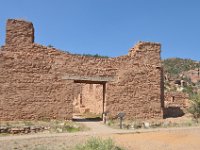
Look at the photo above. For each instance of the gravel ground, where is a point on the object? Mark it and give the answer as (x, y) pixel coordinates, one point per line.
(44, 143)
(143, 139)
(175, 139)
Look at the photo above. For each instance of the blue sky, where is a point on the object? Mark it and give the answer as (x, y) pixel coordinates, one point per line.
(110, 27)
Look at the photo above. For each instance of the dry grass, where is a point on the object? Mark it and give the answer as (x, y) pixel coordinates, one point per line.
(51, 126)
(184, 121)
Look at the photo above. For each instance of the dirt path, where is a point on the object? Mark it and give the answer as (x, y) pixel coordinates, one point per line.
(96, 127)
(144, 139)
(181, 139)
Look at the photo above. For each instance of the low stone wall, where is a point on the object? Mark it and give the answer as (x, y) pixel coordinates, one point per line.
(175, 104)
(21, 130)
(176, 99)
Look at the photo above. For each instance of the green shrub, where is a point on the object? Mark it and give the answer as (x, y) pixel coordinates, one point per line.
(189, 90)
(91, 55)
(59, 126)
(195, 106)
(96, 55)
(98, 144)
(71, 128)
(175, 66)
(50, 46)
(110, 122)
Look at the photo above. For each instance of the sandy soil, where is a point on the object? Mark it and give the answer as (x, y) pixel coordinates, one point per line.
(144, 139)
(178, 139)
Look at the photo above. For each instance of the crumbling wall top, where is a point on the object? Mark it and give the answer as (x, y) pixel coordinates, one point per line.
(19, 32)
(142, 46)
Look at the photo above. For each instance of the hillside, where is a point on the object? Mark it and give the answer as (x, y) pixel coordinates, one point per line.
(182, 75)
(176, 66)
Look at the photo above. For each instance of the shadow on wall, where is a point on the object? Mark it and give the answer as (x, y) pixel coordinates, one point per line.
(173, 112)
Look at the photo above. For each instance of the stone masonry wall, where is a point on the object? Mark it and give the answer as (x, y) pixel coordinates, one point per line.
(138, 89)
(89, 99)
(176, 99)
(176, 104)
(36, 81)
(19, 32)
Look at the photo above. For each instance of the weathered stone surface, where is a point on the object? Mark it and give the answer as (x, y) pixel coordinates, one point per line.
(33, 83)
(19, 32)
(89, 98)
(21, 130)
(175, 104)
(176, 99)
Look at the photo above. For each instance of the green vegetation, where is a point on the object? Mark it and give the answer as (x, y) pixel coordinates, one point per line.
(195, 106)
(52, 126)
(96, 55)
(98, 144)
(91, 55)
(60, 127)
(189, 90)
(175, 69)
(175, 66)
(87, 55)
(50, 46)
(150, 124)
(110, 122)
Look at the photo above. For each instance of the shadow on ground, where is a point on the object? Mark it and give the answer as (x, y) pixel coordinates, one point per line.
(173, 112)
(97, 119)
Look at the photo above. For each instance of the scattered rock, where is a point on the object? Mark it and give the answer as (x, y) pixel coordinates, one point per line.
(146, 124)
(4, 129)
(59, 130)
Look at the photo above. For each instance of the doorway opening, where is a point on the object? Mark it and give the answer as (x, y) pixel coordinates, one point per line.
(89, 100)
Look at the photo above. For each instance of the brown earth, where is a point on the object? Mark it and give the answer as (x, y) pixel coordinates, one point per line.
(180, 139)
(143, 139)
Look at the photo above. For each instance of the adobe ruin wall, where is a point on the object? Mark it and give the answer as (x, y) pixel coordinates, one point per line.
(37, 81)
(88, 99)
(176, 104)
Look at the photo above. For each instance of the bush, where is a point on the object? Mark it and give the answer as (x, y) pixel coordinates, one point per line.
(98, 144)
(175, 66)
(195, 106)
(96, 55)
(189, 90)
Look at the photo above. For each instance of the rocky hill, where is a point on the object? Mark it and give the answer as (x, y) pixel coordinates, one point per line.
(182, 75)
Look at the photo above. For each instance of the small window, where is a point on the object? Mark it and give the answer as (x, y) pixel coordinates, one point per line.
(173, 99)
